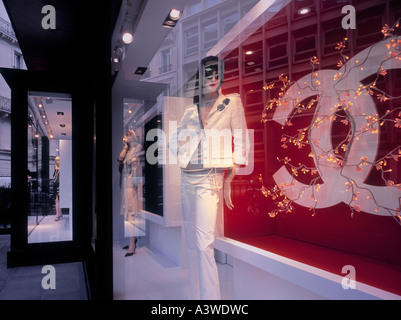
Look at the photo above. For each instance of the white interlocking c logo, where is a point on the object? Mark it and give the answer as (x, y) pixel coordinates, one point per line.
(371, 199)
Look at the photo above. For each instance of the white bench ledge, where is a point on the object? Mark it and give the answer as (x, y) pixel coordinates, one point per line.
(319, 281)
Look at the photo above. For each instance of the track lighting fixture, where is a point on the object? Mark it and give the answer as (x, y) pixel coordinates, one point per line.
(172, 18)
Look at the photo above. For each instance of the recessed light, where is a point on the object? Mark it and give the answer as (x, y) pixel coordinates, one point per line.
(60, 113)
(303, 11)
(62, 125)
(248, 52)
(140, 70)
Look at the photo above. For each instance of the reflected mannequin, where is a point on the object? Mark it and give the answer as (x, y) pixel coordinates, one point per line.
(130, 180)
(56, 188)
(207, 170)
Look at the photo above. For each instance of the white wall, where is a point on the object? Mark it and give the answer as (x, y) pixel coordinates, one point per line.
(66, 175)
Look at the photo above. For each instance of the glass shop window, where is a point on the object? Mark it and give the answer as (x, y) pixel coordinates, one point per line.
(49, 167)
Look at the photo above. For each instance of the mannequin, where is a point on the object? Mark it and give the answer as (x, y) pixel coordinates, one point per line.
(205, 169)
(56, 187)
(130, 172)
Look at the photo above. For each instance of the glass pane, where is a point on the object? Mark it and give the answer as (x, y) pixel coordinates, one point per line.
(162, 101)
(49, 168)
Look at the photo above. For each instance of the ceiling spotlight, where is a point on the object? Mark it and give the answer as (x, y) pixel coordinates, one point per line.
(40, 105)
(175, 14)
(172, 18)
(127, 37)
(248, 52)
(118, 54)
(304, 11)
(62, 125)
(51, 136)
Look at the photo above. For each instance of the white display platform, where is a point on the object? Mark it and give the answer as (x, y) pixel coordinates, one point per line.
(262, 275)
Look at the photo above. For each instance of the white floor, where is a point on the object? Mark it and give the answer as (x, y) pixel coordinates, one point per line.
(148, 275)
(49, 230)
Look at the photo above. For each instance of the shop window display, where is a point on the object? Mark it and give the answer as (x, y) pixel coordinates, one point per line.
(49, 167)
(330, 172)
(322, 105)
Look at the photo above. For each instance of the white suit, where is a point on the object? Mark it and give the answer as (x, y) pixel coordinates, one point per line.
(201, 190)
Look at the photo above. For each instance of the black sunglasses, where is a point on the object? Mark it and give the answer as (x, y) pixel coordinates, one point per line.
(211, 71)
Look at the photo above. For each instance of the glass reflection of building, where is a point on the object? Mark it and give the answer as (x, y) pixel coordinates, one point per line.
(283, 44)
(10, 57)
(203, 24)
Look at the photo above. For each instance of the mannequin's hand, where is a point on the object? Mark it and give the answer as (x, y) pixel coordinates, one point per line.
(227, 188)
(125, 142)
(227, 194)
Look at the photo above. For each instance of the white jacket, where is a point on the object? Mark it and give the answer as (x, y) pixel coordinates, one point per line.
(224, 137)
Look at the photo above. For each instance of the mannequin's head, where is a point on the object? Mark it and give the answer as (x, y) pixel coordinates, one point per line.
(130, 138)
(209, 77)
(211, 74)
(57, 162)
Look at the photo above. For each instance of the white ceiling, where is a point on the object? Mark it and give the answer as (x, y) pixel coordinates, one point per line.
(58, 108)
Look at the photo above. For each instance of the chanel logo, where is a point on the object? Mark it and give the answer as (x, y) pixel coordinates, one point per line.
(343, 178)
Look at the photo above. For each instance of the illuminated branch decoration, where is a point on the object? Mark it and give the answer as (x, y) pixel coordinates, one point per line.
(346, 160)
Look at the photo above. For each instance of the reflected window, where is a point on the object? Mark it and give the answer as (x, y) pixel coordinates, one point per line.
(17, 60)
(191, 40)
(211, 3)
(194, 7)
(229, 22)
(165, 61)
(210, 35)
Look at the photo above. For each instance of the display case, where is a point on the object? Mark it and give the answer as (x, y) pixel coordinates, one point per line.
(320, 195)
(325, 189)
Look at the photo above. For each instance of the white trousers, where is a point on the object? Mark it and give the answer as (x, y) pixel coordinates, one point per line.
(200, 197)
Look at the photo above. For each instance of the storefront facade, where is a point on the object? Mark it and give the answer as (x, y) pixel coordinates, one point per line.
(317, 201)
